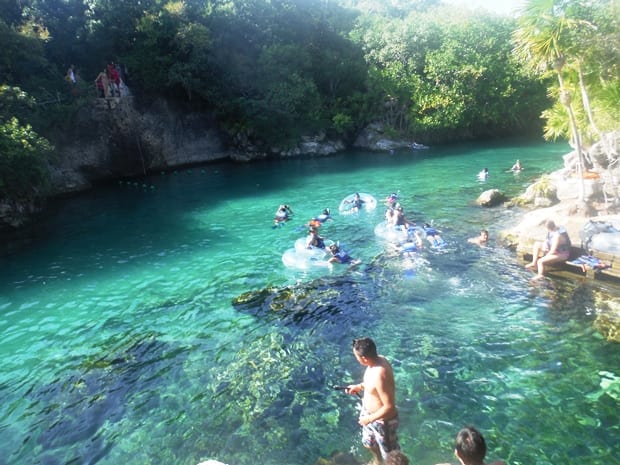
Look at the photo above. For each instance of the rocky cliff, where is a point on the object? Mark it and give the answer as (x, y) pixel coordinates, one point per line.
(113, 139)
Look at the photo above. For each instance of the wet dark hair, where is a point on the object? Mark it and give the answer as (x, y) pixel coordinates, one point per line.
(470, 445)
(365, 347)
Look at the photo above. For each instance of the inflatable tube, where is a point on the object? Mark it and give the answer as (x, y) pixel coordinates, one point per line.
(302, 261)
(391, 233)
(346, 206)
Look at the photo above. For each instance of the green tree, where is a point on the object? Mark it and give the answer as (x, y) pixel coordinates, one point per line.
(447, 74)
(563, 38)
(540, 41)
(23, 169)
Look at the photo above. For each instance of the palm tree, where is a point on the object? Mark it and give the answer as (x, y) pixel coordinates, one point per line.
(542, 42)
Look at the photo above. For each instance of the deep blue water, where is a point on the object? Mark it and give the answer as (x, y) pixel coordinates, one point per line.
(121, 343)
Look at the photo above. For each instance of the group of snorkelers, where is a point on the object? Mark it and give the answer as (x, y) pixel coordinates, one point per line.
(395, 218)
(315, 240)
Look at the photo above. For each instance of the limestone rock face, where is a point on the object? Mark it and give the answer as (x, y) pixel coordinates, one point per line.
(113, 139)
(604, 154)
(15, 214)
(490, 198)
(374, 138)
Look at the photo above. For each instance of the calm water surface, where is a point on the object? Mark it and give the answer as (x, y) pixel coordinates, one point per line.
(121, 344)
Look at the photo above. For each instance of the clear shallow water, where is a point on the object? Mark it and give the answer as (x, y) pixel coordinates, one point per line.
(120, 343)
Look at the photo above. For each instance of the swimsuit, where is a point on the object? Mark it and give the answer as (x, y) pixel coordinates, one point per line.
(563, 249)
(381, 434)
(317, 242)
(342, 257)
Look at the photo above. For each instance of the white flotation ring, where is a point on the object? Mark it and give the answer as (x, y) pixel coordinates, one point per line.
(346, 206)
(304, 261)
(391, 233)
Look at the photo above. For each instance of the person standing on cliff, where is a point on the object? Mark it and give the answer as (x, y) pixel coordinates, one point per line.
(70, 76)
(379, 416)
(103, 85)
(115, 79)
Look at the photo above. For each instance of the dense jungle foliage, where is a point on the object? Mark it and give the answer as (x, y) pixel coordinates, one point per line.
(275, 70)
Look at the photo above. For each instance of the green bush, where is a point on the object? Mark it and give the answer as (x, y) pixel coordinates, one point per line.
(23, 171)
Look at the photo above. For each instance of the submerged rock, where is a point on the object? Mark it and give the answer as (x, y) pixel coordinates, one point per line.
(607, 320)
(324, 298)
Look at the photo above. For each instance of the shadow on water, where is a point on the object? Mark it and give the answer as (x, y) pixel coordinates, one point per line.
(76, 413)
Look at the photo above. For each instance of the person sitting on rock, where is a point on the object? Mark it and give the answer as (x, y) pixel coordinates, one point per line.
(555, 249)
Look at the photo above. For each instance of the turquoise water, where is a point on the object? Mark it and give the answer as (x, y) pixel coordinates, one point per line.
(121, 343)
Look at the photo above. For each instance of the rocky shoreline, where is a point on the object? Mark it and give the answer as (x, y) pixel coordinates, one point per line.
(556, 197)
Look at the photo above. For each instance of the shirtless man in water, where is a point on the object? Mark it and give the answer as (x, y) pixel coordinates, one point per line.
(379, 417)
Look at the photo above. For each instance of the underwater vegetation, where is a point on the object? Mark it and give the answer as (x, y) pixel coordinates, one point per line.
(78, 409)
(327, 298)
